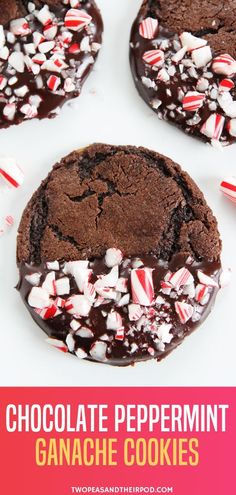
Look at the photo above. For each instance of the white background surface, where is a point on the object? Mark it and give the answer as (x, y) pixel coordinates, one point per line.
(110, 111)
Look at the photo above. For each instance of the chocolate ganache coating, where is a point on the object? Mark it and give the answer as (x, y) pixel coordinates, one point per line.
(139, 232)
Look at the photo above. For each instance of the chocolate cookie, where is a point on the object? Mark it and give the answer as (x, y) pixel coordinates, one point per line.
(182, 59)
(47, 49)
(119, 255)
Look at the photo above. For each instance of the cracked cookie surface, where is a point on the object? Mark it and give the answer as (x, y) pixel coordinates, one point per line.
(172, 70)
(119, 255)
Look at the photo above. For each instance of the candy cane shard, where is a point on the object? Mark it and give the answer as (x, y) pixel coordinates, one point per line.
(228, 188)
(58, 344)
(75, 19)
(184, 311)
(154, 58)
(142, 286)
(148, 28)
(10, 172)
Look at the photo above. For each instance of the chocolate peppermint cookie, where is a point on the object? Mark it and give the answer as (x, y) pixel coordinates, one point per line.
(119, 255)
(47, 49)
(182, 58)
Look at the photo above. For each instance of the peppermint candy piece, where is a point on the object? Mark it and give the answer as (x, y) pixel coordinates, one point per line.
(148, 28)
(224, 64)
(49, 284)
(98, 351)
(213, 127)
(164, 334)
(191, 42)
(193, 101)
(231, 126)
(202, 84)
(16, 60)
(53, 265)
(113, 257)
(85, 333)
(62, 286)
(33, 278)
(154, 58)
(202, 56)
(109, 280)
(206, 280)
(9, 111)
(114, 321)
(226, 85)
(44, 16)
(120, 334)
(202, 294)
(180, 278)
(163, 76)
(50, 312)
(70, 342)
(50, 31)
(81, 354)
(179, 55)
(75, 19)
(228, 188)
(78, 305)
(11, 172)
(135, 312)
(53, 83)
(20, 27)
(58, 344)
(2, 37)
(38, 298)
(184, 311)
(3, 82)
(142, 286)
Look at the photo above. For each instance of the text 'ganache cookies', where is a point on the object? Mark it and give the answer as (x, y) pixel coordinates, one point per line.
(47, 49)
(119, 255)
(182, 57)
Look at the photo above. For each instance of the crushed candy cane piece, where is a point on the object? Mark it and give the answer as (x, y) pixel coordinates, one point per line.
(148, 28)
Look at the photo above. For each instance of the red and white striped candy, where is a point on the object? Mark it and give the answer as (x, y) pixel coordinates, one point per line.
(38, 38)
(60, 302)
(98, 351)
(90, 292)
(49, 283)
(231, 126)
(50, 312)
(154, 57)
(38, 298)
(206, 280)
(224, 64)
(69, 85)
(184, 311)
(191, 42)
(74, 48)
(44, 16)
(53, 82)
(20, 27)
(113, 257)
(77, 19)
(3, 82)
(10, 171)
(78, 305)
(120, 334)
(114, 321)
(124, 301)
(163, 75)
(228, 188)
(226, 85)
(193, 101)
(181, 277)
(166, 287)
(201, 292)
(50, 31)
(58, 344)
(107, 293)
(213, 127)
(148, 28)
(135, 312)
(142, 286)
(30, 111)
